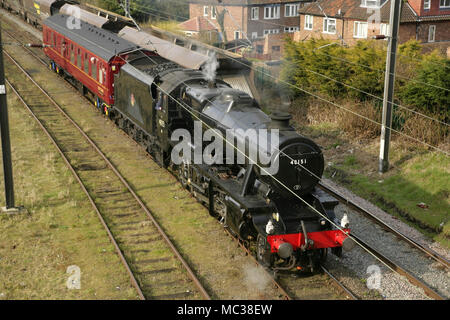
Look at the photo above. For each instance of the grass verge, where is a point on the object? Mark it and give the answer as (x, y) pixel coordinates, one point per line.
(60, 230)
(416, 177)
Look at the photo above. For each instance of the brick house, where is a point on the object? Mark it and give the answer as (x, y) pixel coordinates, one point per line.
(201, 28)
(271, 47)
(351, 20)
(433, 20)
(249, 19)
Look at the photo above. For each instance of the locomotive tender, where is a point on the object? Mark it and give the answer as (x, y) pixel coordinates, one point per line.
(150, 97)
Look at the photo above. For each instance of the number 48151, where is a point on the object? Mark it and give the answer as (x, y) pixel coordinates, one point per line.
(298, 161)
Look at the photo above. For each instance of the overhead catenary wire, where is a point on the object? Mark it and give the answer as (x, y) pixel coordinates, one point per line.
(273, 23)
(379, 70)
(369, 94)
(267, 22)
(187, 18)
(332, 188)
(188, 109)
(287, 188)
(341, 107)
(344, 108)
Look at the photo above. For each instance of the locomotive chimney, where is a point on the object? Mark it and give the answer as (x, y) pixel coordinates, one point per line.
(212, 84)
(280, 120)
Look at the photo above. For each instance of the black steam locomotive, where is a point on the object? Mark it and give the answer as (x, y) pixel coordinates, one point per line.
(155, 97)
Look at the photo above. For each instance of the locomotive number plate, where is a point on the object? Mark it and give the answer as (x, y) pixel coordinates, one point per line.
(298, 161)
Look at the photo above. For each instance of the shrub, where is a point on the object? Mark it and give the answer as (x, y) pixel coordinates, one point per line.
(422, 85)
(427, 93)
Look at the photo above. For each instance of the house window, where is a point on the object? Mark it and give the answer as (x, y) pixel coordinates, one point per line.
(254, 35)
(205, 11)
(444, 4)
(271, 31)
(272, 12)
(360, 29)
(308, 22)
(276, 48)
(329, 25)
(213, 12)
(291, 29)
(259, 49)
(426, 4)
(255, 13)
(291, 10)
(431, 33)
(384, 29)
(237, 35)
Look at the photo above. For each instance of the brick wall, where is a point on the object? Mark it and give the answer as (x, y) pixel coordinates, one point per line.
(442, 31)
(241, 19)
(317, 30)
(434, 10)
(407, 31)
(262, 24)
(231, 24)
(271, 47)
(344, 29)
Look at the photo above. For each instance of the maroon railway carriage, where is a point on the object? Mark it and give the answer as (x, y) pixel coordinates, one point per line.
(87, 55)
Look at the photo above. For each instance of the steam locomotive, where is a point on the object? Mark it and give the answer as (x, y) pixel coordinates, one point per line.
(152, 98)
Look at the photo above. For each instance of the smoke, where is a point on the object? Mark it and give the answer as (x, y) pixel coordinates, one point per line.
(255, 277)
(210, 67)
(285, 99)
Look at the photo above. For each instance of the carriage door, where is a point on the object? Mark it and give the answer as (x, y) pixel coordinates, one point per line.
(161, 107)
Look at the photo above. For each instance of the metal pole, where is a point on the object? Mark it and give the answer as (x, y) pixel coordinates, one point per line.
(394, 23)
(4, 127)
(127, 8)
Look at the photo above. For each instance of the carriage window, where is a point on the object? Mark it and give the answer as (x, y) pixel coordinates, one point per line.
(72, 54)
(61, 45)
(94, 70)
(54, 40)
(86, 63)
(100, 74)
(79, 58)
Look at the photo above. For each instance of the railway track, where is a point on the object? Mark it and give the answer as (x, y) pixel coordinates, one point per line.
(286, 278)
(432, 293)
(427, 251)
(156, 268)
(289, 283)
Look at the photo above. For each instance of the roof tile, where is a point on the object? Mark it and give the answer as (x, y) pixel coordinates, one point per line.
(352, 9)
(197, 24)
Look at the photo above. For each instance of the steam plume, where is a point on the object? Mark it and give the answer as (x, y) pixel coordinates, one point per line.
(210, 67)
